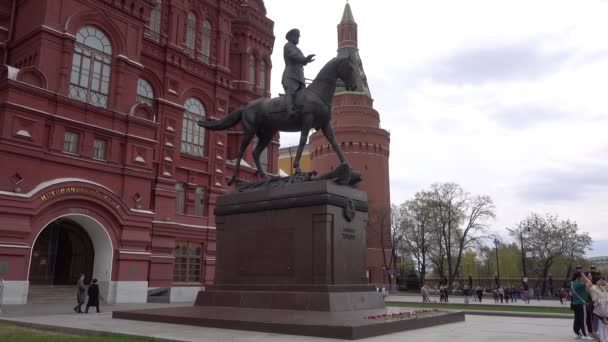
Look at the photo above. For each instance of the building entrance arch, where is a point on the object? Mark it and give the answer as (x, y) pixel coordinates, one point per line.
(66, 247)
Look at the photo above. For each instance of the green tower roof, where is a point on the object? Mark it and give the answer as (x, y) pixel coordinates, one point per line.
(347, 17)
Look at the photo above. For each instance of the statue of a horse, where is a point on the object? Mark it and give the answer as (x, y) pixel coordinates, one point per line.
(264, 117)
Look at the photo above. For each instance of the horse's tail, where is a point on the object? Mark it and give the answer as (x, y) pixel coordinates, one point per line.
(227, 122)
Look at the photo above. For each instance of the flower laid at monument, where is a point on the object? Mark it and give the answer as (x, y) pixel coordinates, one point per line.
(403, 314)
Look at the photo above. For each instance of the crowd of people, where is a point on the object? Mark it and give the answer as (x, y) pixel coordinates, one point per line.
(587, 294)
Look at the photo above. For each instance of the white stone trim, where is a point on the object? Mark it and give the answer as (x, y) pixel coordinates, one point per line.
(181, 294)
(126, 251)
(183, 225)
(142, 211)
(160, 99)
(2, 245)
(15, 292)
(84, 123)
(129, 292)
(163, 256)
(54, 182)
(130, 61)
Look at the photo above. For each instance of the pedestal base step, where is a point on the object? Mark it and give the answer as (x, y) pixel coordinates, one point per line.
(284, 300)
(343, 325)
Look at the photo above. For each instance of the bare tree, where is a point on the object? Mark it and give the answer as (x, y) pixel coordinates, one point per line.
(479, 211)
(459, 219)
(549, 238)
(382, 233)
(416, 229)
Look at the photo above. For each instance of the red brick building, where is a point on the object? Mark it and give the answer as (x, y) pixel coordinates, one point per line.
(103, 170)
(366, 147)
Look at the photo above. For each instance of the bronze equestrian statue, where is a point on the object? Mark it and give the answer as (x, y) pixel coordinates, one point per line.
(264, 117)
(293, 76)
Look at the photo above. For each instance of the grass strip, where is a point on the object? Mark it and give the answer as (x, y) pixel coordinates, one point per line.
(15, 333)
(526, 309)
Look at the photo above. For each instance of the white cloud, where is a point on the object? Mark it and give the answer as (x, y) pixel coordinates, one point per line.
(506, 98)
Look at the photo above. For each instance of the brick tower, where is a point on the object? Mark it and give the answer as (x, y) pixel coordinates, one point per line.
(366, 146)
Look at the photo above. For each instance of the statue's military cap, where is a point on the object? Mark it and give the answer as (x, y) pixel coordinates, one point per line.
(292, 32)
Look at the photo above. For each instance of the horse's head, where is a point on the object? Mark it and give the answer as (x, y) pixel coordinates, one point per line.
(347, 73)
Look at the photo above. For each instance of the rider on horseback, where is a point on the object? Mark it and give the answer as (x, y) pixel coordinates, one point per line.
(293, 76)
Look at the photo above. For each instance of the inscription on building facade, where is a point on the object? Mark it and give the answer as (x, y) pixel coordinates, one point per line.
(80, 191)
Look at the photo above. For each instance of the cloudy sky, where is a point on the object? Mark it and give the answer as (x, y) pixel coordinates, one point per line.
(506, 98)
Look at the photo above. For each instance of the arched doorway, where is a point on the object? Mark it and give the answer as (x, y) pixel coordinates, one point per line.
(66, 247)
(61, 253)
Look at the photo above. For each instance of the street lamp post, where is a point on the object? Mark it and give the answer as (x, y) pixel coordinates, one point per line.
(523, 250)
(497, 266)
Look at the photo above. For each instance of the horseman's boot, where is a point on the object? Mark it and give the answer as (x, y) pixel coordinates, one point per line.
(290, 104)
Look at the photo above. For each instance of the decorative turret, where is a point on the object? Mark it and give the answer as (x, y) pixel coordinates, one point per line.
(366, 147)
(347, 46)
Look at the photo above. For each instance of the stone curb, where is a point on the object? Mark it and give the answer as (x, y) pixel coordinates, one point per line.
(78, 331)
(516, 314)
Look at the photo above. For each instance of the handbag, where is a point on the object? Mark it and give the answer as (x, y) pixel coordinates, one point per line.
(577, 296)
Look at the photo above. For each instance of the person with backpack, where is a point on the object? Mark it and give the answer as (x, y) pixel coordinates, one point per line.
(599, 295)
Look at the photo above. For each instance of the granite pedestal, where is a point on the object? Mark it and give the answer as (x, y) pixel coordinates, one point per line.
(291, 259)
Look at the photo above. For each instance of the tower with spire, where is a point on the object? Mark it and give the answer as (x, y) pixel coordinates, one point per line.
(366, 146)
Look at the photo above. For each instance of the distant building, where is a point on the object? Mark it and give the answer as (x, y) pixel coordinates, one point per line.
(286, 157)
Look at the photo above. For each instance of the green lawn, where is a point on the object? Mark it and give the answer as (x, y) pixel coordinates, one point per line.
(529, 309)
(14, 333)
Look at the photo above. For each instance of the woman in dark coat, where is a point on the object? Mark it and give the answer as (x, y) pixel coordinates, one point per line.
(93, 296)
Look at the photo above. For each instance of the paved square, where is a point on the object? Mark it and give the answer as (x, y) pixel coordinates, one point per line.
(475, 329)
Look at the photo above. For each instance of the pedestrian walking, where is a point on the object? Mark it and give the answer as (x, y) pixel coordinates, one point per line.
(424, 290)
(479, 293)
(93, 293)
(81, 289)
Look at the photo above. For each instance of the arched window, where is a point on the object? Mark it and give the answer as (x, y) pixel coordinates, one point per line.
(206, 42)
(190, 34)
(193, 136)
(145, 93)
(90, 79)
(252, 71)
(155, 18)
(263, 78)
